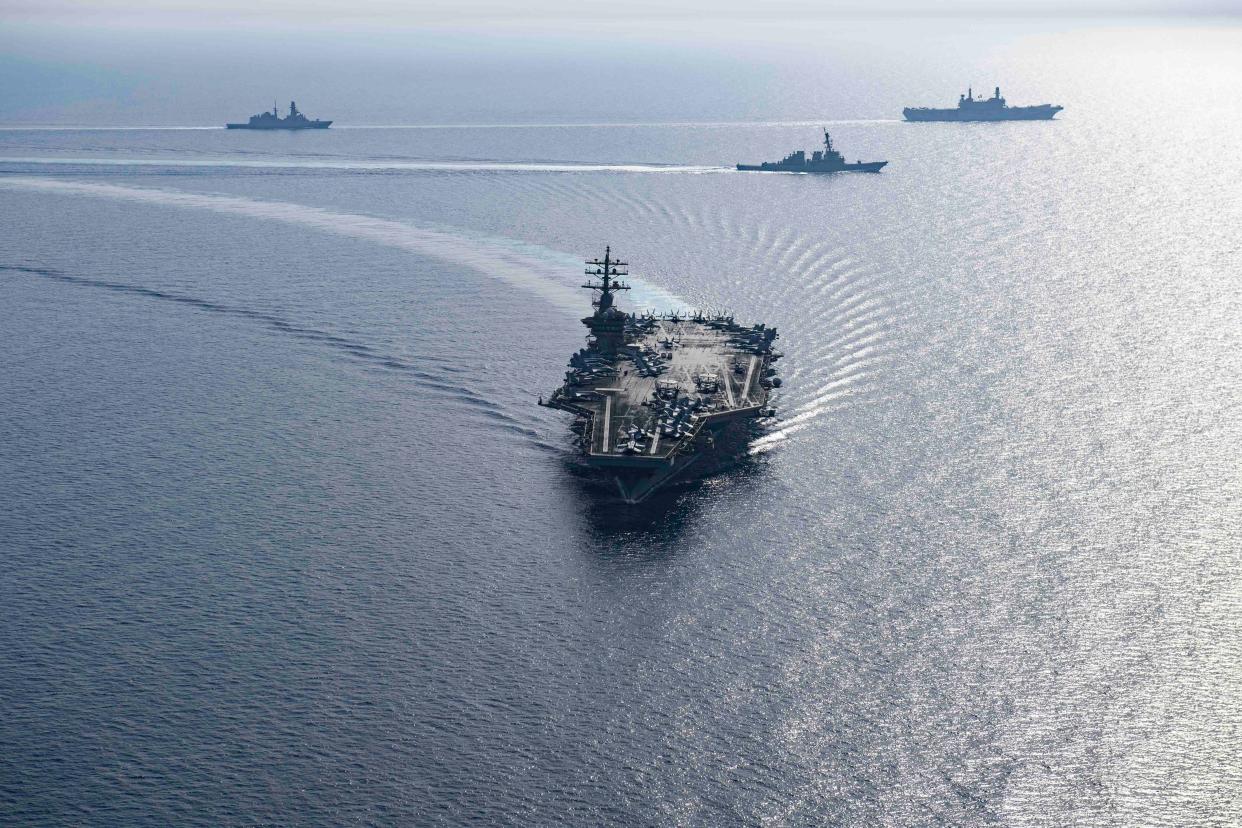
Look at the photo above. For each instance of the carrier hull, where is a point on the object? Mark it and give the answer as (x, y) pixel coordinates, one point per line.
(663, 399)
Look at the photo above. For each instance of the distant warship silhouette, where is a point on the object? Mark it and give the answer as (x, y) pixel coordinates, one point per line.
(970, 108)
(827, 160)
(272, 120)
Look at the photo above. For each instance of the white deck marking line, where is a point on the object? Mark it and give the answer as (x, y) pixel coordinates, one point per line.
(750, 372)
(607, 419)
(724, 375)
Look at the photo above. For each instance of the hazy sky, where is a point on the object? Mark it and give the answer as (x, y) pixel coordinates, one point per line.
(423, 12)
(378, 62)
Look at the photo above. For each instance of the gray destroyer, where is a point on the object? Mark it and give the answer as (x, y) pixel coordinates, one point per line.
(272, 120)
(661, 398)
(827, 160)
(970, 108)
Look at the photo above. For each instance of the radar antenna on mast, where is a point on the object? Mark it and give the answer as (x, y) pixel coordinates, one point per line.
(607, 270)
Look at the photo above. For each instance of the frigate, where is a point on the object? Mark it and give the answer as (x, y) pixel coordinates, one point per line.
(827, 160)
(970, 108)
(272, 120)
(663, 398)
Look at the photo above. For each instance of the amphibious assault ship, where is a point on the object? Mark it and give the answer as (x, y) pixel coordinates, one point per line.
(272, 120)
(970, 108)
(661, 398)
(827, 160)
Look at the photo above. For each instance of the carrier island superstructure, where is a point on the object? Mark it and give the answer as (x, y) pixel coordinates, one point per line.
(659, 398)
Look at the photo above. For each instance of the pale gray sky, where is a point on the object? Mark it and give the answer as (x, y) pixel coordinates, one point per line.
(425, 12)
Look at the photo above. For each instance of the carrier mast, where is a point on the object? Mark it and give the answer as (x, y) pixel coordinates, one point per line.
(607, 269)
(607, 324)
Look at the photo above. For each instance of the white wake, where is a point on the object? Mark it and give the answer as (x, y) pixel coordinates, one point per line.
(553, 275)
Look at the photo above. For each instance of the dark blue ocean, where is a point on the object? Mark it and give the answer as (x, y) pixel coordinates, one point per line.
(286, 540)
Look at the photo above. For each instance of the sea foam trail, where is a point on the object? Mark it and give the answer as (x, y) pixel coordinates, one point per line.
(353, 349)
(524, 265)
(377, 165)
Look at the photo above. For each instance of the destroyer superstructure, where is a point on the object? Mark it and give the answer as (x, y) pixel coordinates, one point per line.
(970, 108)
(827, 160)
(272, 120)
(659, 398)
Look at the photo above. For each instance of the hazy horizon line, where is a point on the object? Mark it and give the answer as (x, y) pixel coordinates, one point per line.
(176, 14)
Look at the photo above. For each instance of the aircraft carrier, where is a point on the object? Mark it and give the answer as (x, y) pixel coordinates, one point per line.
(659, 398)
(970, 108)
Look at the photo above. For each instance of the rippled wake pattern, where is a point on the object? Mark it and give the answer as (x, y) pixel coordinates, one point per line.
(286, 537)
(837, 314)
(440, 384)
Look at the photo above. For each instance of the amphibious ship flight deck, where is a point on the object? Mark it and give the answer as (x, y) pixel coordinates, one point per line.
(656, 393)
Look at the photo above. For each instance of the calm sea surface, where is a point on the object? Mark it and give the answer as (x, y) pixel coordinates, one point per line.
(284, 538)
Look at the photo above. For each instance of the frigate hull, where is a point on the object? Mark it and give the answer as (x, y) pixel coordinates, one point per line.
(272, 121)
(307, 125)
